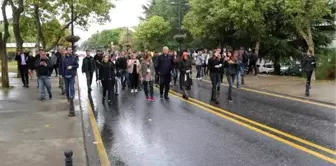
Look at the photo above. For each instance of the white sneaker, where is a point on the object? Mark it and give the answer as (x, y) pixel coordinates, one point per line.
(136, 91)
(132, 91)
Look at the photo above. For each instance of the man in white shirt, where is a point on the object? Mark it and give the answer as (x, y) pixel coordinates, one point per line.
(22, 62)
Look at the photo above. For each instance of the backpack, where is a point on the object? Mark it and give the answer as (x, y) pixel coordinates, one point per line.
(245, 57)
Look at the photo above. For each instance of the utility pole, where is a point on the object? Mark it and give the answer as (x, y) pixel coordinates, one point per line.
(179, 22)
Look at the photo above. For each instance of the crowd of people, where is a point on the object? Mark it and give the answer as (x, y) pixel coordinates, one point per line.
(63, 62)
(134, 69)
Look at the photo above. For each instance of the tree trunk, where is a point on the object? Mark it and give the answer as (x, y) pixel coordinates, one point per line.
(3, 50)
(257, 47)
(37, 26)
(310, 44)
(59, 36)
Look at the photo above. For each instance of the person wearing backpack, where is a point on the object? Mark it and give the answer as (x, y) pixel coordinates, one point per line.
(253, 62)
(242, 61)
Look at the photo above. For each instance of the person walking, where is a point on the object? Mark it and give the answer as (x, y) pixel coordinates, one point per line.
(88, 67)
(107, 78)
(68, 71)
(199, 63)
(214, 65)
(54, 63)
(309, 65)
(253, 63)
(22, 62)
(133, 69)
(147, 75)
(175, 71)
(61, 84)
(121, 65)
(164, 68)
(185, 67)
(155, 61)
(114, 58)
(43, 66)
(206, 57)
(231, 65)
(98, 59)
(31, 65)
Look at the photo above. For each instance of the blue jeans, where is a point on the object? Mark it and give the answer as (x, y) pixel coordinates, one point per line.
(230, 79)
(44, 81)
(69, 82)
(175, 75)
(124, 77)
(199, 73)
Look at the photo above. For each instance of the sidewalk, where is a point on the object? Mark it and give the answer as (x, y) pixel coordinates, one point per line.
(321, 91)
(36, 133)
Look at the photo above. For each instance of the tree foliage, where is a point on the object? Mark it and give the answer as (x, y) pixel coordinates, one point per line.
(103, 39)
(152, 32)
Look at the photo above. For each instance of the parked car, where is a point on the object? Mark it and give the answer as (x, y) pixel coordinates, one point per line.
(291, 70)
(266, 68)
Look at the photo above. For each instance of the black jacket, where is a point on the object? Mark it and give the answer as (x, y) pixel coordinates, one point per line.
(98, 59)
(309, 63)
(18, 59)
(59, 58)
(231, 68)
(184, 65)
(107, 71)
(89, 64)
(212, 63)
(253, 58)
(43, 70)
(121, 63)
(165, 64)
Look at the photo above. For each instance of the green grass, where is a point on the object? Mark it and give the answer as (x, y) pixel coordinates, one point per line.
(12, 67)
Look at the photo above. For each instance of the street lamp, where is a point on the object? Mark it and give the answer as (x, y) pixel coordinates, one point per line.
(180, 4)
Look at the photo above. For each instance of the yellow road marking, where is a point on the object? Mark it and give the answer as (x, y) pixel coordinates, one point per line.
(262, 126)
(284, 97)
(104, 161)
(304, 149)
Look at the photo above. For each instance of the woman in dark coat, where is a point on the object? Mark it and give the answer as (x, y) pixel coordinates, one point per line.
(31, 64)
(185, 67)
(107, 78)
(231, 68)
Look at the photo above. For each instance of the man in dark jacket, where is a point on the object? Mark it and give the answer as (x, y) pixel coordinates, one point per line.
(43, 66)
(155, 61)
(88, 67)
(164, 67)
(22, 62)
(121, 65)
(98, 59)
(68, 71)
(253, 62)
(309, 65)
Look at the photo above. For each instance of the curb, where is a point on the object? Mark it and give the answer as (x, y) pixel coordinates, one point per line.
(292, 96)
(82, 121)
(251, 89)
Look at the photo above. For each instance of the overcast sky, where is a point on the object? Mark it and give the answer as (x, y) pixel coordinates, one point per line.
(125, 14)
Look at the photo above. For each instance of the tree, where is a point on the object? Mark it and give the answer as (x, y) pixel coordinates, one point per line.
(304, 14)
(103, 39)
(3, 50)
(168, 12)
(46, 11)
(17, 11)
(126, 39)
(152, 32)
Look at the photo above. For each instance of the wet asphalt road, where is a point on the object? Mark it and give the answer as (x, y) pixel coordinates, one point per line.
(137, 132)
